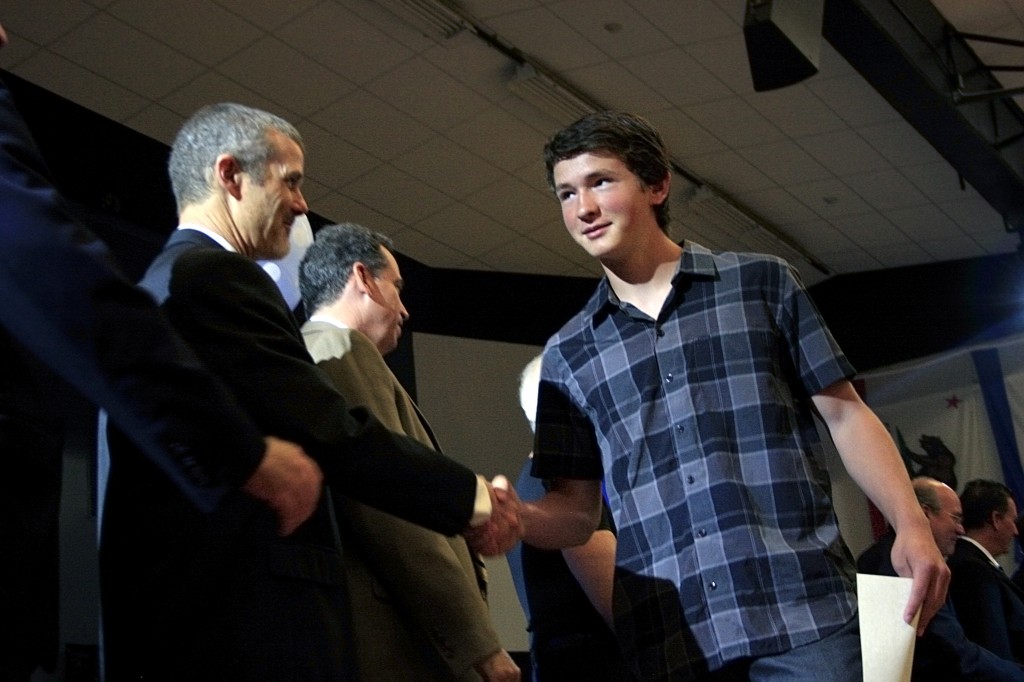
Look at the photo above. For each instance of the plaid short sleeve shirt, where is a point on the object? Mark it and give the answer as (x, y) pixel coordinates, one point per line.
(700, 423)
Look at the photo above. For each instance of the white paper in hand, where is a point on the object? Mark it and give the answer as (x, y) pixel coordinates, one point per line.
(886, 641)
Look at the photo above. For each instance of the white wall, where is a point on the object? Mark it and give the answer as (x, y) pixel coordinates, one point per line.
(469, 392)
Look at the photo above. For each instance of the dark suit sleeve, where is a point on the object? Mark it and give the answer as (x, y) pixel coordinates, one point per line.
(945, 641)
(235, 318)
(66, 303)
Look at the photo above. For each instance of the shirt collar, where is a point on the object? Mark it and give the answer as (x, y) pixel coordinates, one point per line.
(209, 233)
(984, 551)
(696, 261)
(327, 319)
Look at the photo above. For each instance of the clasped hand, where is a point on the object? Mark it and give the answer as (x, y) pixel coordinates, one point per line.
(504, 529)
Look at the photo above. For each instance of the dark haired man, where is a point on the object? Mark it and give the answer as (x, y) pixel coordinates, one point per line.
(989, 605)
(688, 382)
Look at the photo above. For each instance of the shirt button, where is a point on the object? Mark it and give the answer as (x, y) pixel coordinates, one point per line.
(690, 479)
(702, 533)
(680, 428)
(668, 377)
(660, 332)
(713, 585)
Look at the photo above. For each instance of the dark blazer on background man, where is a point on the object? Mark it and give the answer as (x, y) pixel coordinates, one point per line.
(63, 302)
(219, 596)
(988, 604)
(944, 652)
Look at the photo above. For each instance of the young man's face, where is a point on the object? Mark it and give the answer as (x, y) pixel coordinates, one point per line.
(605, 206)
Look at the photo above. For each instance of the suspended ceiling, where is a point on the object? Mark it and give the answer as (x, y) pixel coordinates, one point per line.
(419, 135)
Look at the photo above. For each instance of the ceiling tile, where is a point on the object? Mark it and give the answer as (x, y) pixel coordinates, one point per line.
(429, 251)
(464, 229)
(953, 249)
(396, 194)
(344, 43)
(160, 72)
(342, 209)
(527, 256)
(614, 27)
(688, 21)
(542, 35)
(515, 204)
(939, 181)
(927, 221)
(271, 67)
(784, 162)
(734, 120)
(372, 125)
(900, 144)
(508, 142)
(684, 137)
(207, 32)
(414, 87)
(632, 94)
(660, 70)
(853, 99)
(212, 87)
(729, 169)
(885, 189)
(726, 58)
(156, 121)
(81, 86)
(44, 21)
(843, 152)
(796, 111)
(268, 14)
(776, 205)
(830, 198)
(331, 160)
(448, 168)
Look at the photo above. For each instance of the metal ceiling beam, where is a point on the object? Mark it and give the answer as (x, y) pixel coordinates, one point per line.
(928, 72)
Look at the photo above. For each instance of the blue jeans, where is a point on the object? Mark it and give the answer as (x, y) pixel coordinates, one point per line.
(835, 658)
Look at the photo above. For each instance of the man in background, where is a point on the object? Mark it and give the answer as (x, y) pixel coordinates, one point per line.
(943, 652)
(217, 597)
(989, 605)
(566, 594)
(418, 598)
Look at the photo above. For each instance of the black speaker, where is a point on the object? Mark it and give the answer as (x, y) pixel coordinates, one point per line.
(783, 40)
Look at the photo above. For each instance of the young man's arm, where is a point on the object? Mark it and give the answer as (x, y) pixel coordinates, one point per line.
(871, 458)
(565, 517)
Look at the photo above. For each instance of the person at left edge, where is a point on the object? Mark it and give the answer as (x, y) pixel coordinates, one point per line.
(68, 313)
(210, 597)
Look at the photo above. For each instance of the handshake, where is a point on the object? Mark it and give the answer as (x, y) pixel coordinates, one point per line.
(505, 528)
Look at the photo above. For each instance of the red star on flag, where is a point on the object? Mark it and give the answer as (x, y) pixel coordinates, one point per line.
(953, 402)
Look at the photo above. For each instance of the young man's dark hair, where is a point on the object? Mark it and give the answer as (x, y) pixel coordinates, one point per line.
(626, 136)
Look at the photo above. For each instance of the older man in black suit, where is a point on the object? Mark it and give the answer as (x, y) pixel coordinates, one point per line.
(214, 597)
(68, 313)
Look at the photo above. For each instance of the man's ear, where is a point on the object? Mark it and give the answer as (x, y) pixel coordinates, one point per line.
(229, 174)
(363, 278)
(659, 191)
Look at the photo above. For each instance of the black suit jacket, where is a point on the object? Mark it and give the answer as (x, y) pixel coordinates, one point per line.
(218, 596)
(63, 302)
(944, 652)
(990, 606)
